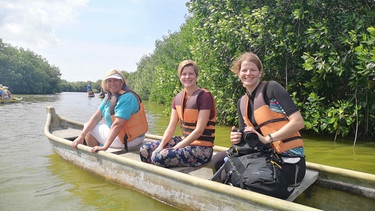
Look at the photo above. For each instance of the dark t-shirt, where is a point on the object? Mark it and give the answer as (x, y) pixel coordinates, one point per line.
(275, 95)
(204, 102)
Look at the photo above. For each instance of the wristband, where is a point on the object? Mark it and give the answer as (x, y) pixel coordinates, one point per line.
(271, 138)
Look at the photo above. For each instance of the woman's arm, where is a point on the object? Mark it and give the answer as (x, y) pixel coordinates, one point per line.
(203, 117)
(115, 129)
(95, 118)
(296, 122)
(168, 133)
(235, 137)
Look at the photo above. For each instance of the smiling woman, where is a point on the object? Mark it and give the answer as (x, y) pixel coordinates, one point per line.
(195, 109)
(120, 109)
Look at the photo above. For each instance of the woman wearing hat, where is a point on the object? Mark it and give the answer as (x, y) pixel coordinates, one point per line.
(117, 108)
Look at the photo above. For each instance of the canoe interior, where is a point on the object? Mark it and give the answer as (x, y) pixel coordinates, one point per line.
(324, 187)
(332, 199)
(205, 171)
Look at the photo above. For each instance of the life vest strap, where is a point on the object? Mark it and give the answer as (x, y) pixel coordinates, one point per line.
(202, 138)
(272, 121)
(137, 118)
(291, 139)
(209, 123)
(206, 132)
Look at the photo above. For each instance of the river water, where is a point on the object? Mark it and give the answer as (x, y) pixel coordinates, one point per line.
(33, 177)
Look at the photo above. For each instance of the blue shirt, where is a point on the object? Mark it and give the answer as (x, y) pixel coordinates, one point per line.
(127, 104)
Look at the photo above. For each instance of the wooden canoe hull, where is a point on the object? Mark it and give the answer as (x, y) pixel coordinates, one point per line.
(185, 190)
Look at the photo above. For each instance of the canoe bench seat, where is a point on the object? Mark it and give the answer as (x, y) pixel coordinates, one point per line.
(68, 133)
(310, 177)
(206, 171)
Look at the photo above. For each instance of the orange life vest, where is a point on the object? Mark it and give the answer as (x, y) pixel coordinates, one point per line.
(269, 121)
(188, 116)
(137, 124)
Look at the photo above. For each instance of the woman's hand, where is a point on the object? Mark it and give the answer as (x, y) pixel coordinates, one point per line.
(95, 118)
(78, 140)
(156, 150)
(235, 137)
(97, 148)
(260, 137)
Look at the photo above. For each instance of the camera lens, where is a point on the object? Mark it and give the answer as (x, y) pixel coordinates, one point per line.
(250, 138)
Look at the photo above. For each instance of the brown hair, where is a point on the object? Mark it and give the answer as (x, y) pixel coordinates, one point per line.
(247, 56)
(186, 63)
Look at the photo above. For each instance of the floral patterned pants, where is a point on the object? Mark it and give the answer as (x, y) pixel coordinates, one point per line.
(169, 157)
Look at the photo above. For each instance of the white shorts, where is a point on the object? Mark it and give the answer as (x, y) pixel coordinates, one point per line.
(101, 132)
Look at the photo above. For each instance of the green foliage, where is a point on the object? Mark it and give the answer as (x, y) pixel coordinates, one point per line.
(156, 77)
(26, 72)
(141, 80)
(313, 111)
(308, 46)
(321, 51)
(339, 59)
(80, 86)
(334, 119)
(221, 32)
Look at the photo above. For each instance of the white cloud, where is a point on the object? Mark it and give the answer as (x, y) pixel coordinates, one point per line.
(85, 38)
(31, 24)
(82, 62)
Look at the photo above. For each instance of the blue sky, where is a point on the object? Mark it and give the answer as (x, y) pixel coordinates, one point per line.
(86, 38)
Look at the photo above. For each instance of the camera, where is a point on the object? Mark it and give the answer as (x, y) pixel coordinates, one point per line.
(249, 143)
(250, 138)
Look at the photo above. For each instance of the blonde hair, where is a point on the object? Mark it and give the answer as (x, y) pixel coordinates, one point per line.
(186, 63)
(112, 72)
(249, 57)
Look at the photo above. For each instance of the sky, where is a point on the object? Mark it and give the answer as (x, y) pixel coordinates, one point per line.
(87, 38)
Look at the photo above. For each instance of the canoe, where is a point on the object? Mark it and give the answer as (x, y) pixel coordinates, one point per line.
(12, 100)
(101, 94)
(91, 94)
(189, 188)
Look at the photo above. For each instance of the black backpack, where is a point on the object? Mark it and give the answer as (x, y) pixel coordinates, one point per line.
(258, 171)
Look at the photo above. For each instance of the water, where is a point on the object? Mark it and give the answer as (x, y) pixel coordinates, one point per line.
(33, 177)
